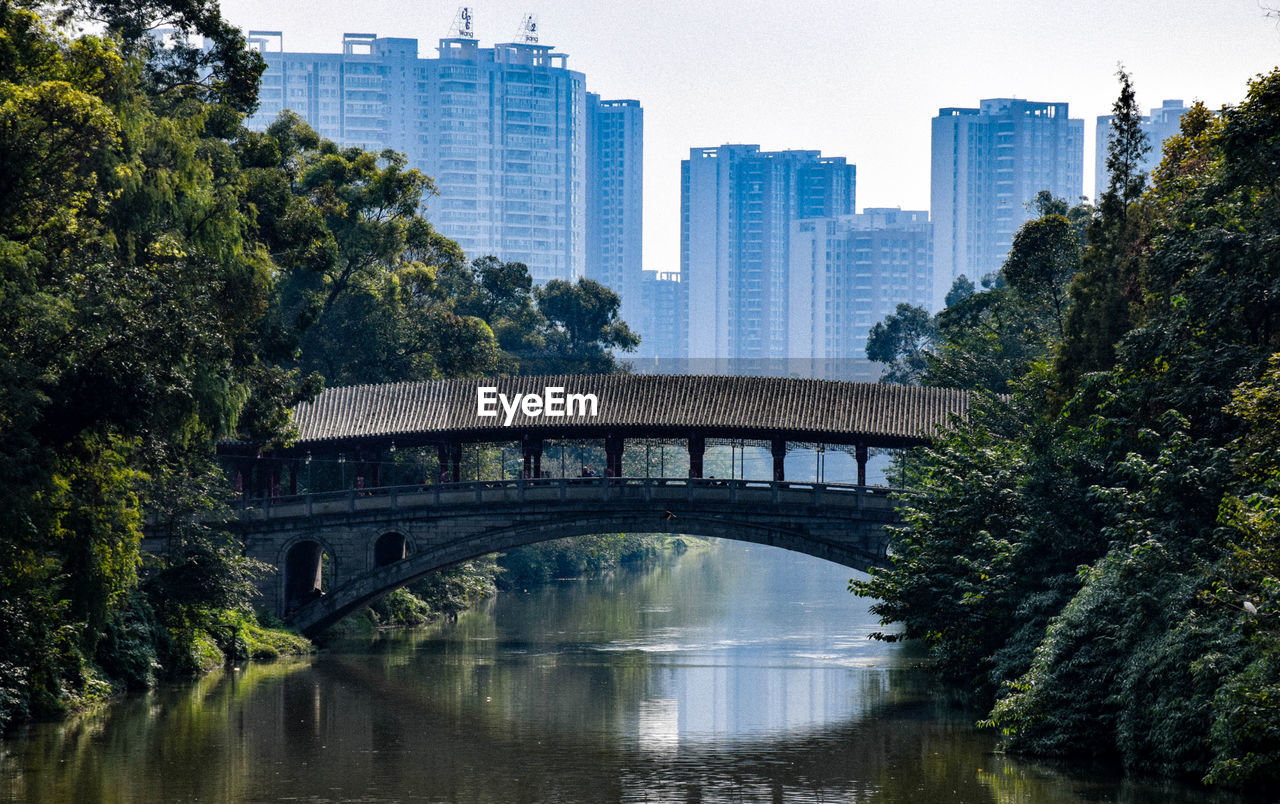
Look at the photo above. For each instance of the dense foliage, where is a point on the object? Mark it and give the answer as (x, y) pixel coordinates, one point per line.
(583, 556)
(1095, 551)
(169, 279)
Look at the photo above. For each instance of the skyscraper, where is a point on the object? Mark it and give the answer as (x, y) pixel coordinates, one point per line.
(1160, 125)
(502, 130)
(736, 207)
(615, 132)
(988, 164)
(847, 273)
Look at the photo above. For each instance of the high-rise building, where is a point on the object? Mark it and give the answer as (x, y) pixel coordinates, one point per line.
(503, 131)
(663, 318)
(736, 207)
(615, 183)
(847, 274)
(1160, 125)
(988, 164)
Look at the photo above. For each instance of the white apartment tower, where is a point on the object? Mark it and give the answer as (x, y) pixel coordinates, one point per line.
(988, 164)
(503, 131)
(615, 185)
(847, 274)
(737, 204)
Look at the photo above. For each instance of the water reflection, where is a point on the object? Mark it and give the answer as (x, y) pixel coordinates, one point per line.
(742, 674)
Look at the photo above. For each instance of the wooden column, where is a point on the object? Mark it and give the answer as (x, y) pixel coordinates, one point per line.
(442, 455)
(862, 464)
(531, 448)
(450, 456)
(779, 449)
(697, 449)
(613, 446)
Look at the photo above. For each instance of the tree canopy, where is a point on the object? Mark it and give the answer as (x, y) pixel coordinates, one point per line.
(1095, 555)
(168, 280)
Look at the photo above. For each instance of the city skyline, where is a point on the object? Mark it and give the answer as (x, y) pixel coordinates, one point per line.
(852, 88)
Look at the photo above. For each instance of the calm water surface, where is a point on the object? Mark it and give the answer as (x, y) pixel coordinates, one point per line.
(733, 674)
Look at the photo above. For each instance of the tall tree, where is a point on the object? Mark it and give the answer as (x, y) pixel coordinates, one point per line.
(1106, 290)
(1113, 593)
(1044, 258)
(129, 309)
(219, 69)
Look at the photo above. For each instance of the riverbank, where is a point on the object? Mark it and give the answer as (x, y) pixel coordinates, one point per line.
(136, 652)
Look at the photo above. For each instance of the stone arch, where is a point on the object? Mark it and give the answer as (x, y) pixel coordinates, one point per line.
(381, 580)
(388, 548)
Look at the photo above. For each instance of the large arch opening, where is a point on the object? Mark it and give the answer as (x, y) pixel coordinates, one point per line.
(858, 546)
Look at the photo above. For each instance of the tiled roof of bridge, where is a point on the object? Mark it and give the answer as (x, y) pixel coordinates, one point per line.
(835, 412)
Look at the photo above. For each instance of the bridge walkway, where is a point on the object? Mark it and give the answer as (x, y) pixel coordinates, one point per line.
(863, 499)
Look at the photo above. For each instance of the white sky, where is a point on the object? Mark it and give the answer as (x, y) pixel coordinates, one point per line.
(858, 78)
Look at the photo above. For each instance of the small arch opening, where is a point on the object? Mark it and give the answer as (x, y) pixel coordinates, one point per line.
(390, 548)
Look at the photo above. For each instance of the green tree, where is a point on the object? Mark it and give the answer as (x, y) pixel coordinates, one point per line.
(1106, 289)
(903, 342)
(501, 294)
(583, 325)
(961, 289)
(219, 70)
(364, 293)
(1120, 600)
(129, 299)
(1043, 260)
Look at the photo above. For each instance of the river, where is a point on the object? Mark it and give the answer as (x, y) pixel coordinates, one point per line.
(736, 673)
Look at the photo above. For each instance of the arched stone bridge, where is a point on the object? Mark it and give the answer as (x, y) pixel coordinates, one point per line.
(380, 538)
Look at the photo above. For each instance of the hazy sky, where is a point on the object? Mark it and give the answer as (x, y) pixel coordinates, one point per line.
(858, 78)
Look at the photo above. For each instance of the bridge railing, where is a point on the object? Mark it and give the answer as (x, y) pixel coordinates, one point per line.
(648, 489)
